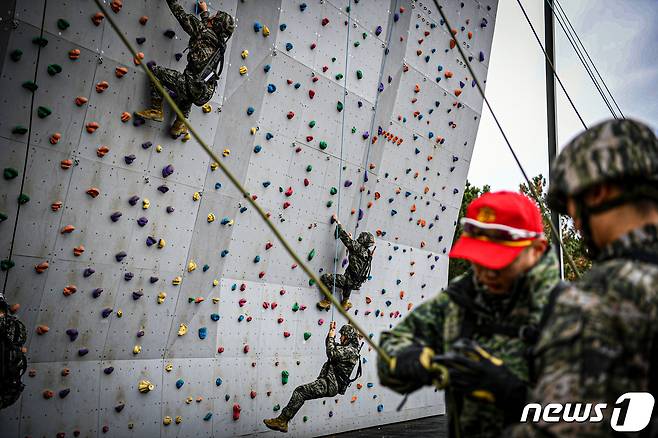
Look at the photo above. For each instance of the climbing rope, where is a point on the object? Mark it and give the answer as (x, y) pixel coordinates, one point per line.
(342, 142)
(193, 132)
(531, 187)
(27, 151)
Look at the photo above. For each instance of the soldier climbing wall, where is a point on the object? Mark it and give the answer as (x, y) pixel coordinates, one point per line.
(155, 300)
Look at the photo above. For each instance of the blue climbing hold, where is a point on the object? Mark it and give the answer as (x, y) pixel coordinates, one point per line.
(271, 88)
(288, 47)
(267, 68)
(179, 383)
(214, 316)
(283, 27)
(257, 148)
(218, 381)
(203, 332)
(269, 136)
(257, 26)
(250, 110)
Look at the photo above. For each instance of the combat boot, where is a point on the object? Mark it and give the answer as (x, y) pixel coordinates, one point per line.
(178, 128)
(324, 304)
(277, 424)
(154, 113)
(347, 305)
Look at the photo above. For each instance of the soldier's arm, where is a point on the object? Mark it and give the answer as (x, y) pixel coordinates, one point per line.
(345, 238)
(188, 22)
(333, 351)
(423, 327)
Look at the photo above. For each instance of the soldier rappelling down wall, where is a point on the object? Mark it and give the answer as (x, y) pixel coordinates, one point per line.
(205, 62)
(359, 258)
(334, 378)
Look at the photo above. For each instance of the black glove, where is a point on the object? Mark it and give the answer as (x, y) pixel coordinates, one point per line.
(477, 374)
(415, 364)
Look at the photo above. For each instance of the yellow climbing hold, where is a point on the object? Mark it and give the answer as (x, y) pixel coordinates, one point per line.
(182, 329)
(145, 386)
(166, 420)
(226, 152)
(119, 313)
(215, 283)
(158, 148)
(188, 400)
(162, 243)
(186, 137)
(178, 419)
(266, 31)
(191, 266)
(137, 349)
(146, 204)
(243, 70)
(211, 217)
(196, 196)
(253, 130)
(177, 280)
(206, 108)
(215, 300)
(244, 54)
(214, 165)
(169, 367)
(161, 297)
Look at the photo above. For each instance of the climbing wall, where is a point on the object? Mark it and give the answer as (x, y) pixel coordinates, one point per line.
(156, 301)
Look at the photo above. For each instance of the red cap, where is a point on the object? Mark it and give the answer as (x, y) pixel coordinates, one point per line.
(508, 222)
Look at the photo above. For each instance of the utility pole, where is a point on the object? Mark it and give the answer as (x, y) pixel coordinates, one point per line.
(551, 115)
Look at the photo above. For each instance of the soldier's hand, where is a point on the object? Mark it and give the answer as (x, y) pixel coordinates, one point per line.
(203, 6)
(415, 364)
(332, 329)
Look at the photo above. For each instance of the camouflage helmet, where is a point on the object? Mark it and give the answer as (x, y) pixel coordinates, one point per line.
(223, 24)
(366, 238)
(612, 151)
(350, 333)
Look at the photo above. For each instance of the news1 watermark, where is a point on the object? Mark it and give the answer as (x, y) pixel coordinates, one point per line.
(631, 412)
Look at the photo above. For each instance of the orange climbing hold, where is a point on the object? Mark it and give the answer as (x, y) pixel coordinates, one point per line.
(74, 54)
(125, 116)
(458, 92)
(138, 59)
(81, 100)
(70, 290)
(359, 385)
(42, 329)
(67, 229)
(470, 35)
(102, 86)
(416, 88)
(97, 18)
(41, 267)
(54, 139)
(92, 127)
(102, 150)
(143, 19)
(116, 5)
(409, 306)
(47, 394)
(93, 192)
(453, 43)
(120, 72)
(448, 74)
(66, 164)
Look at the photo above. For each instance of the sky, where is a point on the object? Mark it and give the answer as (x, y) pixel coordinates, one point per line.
(620, 36)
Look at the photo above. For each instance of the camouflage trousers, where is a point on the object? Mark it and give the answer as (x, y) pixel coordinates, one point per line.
(317, 389)
(182, 88)
(343, 283)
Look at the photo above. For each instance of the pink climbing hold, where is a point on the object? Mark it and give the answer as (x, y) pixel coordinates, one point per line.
(242, 302)
(289, 191)
(245, 349)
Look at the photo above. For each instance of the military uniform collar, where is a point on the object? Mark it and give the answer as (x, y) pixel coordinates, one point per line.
(645, 238)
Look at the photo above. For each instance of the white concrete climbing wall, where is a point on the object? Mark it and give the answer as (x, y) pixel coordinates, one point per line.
(156, 301)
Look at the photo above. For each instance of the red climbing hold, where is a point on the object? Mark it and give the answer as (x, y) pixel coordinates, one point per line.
(325, 21)
(143, 19)
(289, 191)
(55, 206)
(290, 115)
(68, 229)
(268, 245)
(261, 274)
(313, 46)
(54, 139)
(306, 182)
(120, 71)
(97, 18)
(311, 94)
(279, 320)
(81, 100)
(116, 5)
(458, 92)
(93, 192)
(42, 329)
(286, 334)
(286, 205)
(236, 412)
(245, 349)
(69, 290)
(125, 116)
(220, 350)
(242, 302)
(74, 54)
(252, 394)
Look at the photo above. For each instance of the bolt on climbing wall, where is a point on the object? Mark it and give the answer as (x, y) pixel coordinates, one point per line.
(157, 303)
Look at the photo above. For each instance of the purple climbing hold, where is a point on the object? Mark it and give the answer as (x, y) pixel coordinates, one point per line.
(153, 280)
(381, 87)
(178, 56)
(150, 241)
(360, 214)
(128, 276)
(365, 135)
(396, 17)
(120, 256)
(140, 40)
(129, 159)
(119, 407)
(96, 292)
(170, 209)
(347, 183)
(108, 370)
(151, 64)
(359, 104)
(137, 295)
(83, 351)
(138, 121)
(167, 170)
(378, 30)
(133, 200)
(169, 33)
(106, 312)
(146, 145)
(455, 158)
(142, 221)
(140, 333)
(115, 216)
(72, 334)
(163, 189)
(481, 57)
(88, 272)
(64, 392)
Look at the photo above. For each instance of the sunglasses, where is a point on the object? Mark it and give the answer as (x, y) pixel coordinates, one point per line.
(498, 233)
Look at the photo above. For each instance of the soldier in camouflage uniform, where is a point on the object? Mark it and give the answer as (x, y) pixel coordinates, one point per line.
(357, 272)
(498, 303)
(196, 85)
(600, 339)
(334, 378)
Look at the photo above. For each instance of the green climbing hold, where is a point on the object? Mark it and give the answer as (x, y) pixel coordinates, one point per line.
(53, 69)
(307, 335)
(359, 74)
(276, 407)
(330, 203)
(323, 145)
(20, 129)
(62, 24)
(10, 173)
(309, 168)
(353, 129)
(364, 35)
(295, 307)
(339, 76)
(23, 199)
(284, 377)
(333, 59)
(311, 255)
(339, 106)
(3, 217)
(305, 419)
(348, 9)
(311, 282)
(311, 124)
(357, 43)
(40, 41)
(299, 239)
(333, 190)
(16, 55)
(43, 112)
(7, 264)
(30, 85)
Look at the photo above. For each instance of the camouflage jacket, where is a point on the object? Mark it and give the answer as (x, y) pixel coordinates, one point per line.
(438, 322)
(341, 360)
(359, 259)
(204, 42)
(597, 342)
